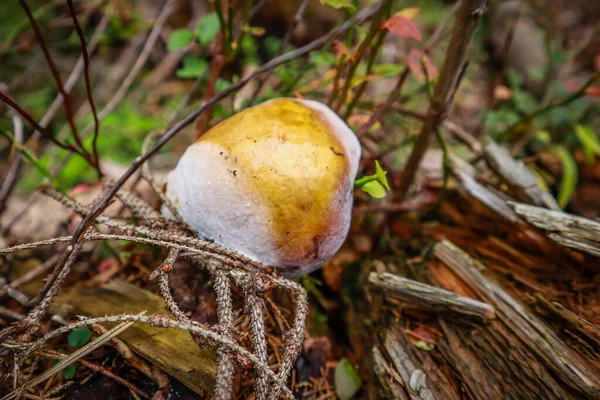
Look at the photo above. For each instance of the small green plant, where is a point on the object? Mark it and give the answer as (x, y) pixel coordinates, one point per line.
(346, 380)
(79, 337)
(206, 31)
(375, 185)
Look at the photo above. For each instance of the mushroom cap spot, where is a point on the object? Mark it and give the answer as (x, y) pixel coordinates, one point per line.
(281, 177)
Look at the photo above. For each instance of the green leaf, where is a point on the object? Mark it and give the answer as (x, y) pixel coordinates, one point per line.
(423, 345)
(179, 39)
(589, 141)
(207, 28)
(79, 337)
(515, 78)
(32, 160)
(381, 175)
(337, 4)
(271, 44)
(374, 188)
(388, 70)
(524, 101)
(69, 372)
(375, 184)
(346, 380)
(192, 67)
(322, 58)
(569, 176)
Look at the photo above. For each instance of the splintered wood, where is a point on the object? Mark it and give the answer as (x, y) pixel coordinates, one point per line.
(536, 269)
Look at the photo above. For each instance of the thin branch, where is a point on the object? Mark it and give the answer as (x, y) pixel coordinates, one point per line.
(74, 76)
(224, 381)
(452, 71)
(388, 102)
(67, 102)
(357, 57)
(137, 67)
(55, 355)
(286, 38)
(46, 133)
(88, 86)
(13, 173)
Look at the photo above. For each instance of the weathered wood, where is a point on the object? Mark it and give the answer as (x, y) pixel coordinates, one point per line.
(387, 377)
(415, 379)
(569, 230)
(172, 350)
(580, 329)
(487, 196)
(517, 174)
(429, 297)
(541, 341)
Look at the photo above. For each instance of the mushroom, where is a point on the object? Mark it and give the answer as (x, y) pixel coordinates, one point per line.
(273, 182)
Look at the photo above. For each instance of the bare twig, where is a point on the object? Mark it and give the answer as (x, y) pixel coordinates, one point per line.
(74, 76)
(223, 384)
(429, 297)
(380, 110)
(46, 133)
(88, 86)
(137, 67)
(55, 355)
(286, 38)
(56, 75)
(13, 173)
(255, 306)
(73, 357)
(357, 57)
(452, 71)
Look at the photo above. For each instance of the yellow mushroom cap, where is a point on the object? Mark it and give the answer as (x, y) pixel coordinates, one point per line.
(273, 182)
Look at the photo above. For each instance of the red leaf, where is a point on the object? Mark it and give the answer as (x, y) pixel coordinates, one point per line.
(593, 91)
(414, 64)
(403, 26)
(597, 63)
(341, 49)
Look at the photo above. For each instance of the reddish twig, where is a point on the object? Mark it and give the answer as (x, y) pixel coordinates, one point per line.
(56, 75)
(217, 65)
(379, 112)
(55, 355)
(46, 133)
(370, 63)
(356, 58)
(88, 86)
(73, 77)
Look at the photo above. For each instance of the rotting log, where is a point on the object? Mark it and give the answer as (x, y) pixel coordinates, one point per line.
(571, 368)
(572, 231)
(518, 175)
